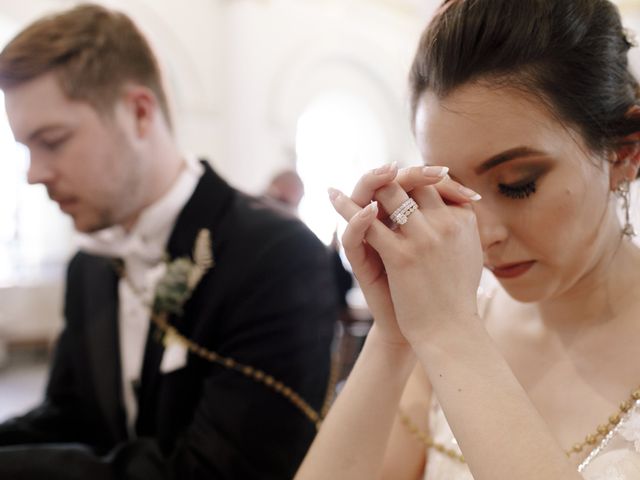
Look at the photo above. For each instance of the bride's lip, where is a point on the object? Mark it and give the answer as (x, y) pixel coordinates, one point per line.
(512, 270)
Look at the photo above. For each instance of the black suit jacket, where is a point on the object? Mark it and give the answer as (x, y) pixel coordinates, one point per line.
(269, 302)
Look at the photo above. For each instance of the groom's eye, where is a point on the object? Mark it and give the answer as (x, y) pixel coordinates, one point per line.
(54, 142)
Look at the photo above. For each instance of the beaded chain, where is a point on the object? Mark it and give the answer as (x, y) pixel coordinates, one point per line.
(590, 440)
(171, 335)
(605, 428)
(427, 440)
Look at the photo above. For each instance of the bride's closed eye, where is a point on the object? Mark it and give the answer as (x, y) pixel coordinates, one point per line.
(519, 190)
(521, 182)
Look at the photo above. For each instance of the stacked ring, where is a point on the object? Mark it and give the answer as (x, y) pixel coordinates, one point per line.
(401, 214)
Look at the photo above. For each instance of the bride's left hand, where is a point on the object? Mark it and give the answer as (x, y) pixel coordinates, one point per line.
(434, 261)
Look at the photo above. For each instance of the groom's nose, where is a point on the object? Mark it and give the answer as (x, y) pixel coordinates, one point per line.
(39, 171)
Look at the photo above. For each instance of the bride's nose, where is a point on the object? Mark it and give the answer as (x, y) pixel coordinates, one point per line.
(493, 230)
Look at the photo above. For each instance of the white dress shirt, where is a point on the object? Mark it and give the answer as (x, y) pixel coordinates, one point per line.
(142, 250)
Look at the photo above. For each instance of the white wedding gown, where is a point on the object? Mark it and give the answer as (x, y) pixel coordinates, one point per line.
(617, 457)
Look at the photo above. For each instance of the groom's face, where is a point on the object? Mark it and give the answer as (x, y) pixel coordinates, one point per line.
(85, 159)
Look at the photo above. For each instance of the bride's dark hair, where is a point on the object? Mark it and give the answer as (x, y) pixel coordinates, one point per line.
(571, 54)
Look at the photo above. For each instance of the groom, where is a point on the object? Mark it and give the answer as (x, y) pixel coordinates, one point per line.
(194, 314)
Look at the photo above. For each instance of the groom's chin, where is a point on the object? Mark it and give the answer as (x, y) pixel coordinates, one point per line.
(88, 223)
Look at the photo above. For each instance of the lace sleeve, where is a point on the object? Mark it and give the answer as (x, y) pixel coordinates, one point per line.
(618, 455)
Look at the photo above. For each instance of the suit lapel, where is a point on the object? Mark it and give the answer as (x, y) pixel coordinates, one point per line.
(204, 209)
(102, 340)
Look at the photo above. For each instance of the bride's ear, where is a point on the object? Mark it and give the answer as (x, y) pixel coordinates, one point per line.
(625, 159)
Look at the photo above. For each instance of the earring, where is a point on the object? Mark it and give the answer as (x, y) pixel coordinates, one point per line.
(624, 192)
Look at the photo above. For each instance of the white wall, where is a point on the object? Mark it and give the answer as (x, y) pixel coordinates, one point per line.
(283, 53)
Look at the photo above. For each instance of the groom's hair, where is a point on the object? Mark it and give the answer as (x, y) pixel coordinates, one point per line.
(93, 51)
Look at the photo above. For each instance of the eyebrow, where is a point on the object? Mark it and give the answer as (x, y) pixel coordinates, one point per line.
(507, 156)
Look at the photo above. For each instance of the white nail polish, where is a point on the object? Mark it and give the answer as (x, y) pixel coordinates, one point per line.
(470, 194)
(333, 194)
(370, 210)
(439, 172)
(382, 170)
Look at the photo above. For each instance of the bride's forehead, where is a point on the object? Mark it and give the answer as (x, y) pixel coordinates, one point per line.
(476, 121)
(479, 105)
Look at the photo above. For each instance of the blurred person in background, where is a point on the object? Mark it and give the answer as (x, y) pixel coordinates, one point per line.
(286, 188)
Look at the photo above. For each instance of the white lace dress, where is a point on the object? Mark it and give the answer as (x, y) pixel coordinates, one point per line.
(617, 457)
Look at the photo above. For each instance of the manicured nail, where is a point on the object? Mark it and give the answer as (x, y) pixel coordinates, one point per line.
(467, 192)
(438, 172)
(369, 210)
(386, 168)
(333, 194)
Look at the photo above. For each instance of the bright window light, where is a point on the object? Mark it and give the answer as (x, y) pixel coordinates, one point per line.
(35, 237)
(338, 138)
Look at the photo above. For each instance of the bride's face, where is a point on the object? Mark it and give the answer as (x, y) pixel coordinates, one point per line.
(547, 219)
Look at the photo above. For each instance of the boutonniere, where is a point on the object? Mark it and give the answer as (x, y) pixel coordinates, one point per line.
(182, 276)
(176, 286)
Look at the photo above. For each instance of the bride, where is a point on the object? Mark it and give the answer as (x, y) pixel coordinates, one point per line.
(527, 118)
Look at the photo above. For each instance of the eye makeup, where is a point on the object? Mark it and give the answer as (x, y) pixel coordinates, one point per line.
(525, 183)
(518, 191)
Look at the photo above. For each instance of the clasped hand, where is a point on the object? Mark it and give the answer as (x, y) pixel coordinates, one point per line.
(420, 277)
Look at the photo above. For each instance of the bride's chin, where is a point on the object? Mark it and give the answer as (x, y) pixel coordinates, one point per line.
(524, 292)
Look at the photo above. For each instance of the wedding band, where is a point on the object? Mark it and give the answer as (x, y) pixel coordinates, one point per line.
(401, 214)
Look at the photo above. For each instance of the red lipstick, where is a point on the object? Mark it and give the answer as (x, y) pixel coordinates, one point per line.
(512, 270)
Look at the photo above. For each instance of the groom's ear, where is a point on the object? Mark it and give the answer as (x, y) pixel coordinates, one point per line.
(141, 105)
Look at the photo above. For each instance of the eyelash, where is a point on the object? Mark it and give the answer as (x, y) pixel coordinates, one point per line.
(518, 192)
(54, 144)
